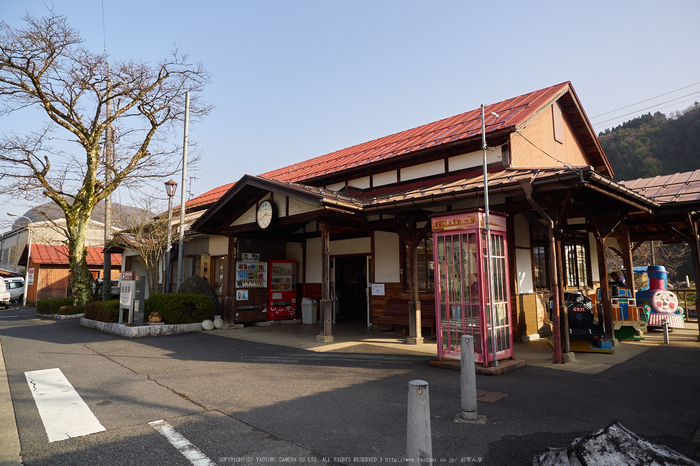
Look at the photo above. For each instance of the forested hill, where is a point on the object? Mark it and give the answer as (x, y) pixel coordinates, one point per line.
(654, 145)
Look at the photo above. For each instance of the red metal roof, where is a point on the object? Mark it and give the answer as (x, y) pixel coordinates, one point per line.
(47, 254)
(512, 112)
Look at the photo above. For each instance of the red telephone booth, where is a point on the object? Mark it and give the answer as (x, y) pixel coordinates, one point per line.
(462, 294)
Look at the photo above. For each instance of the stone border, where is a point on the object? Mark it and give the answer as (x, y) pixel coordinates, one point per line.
(141, 331)
(61, 316)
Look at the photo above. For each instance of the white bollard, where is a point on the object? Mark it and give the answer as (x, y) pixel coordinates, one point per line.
(665, 326)
(419, 446)
(467, 379)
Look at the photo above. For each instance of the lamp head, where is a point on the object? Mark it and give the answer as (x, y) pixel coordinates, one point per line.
(170, 188)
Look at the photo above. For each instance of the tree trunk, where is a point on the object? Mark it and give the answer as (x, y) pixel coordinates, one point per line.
(80, 276)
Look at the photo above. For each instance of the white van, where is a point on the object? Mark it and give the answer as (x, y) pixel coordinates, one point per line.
(15, 286)
(4, 295)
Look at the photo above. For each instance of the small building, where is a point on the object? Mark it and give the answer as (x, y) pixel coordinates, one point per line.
(48, 269)
(362, 222)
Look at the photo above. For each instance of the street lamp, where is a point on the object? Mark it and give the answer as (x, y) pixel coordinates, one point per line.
(170, 188)
(29, 256)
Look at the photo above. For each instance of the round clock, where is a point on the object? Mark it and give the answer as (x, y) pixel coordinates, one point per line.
(266, 214)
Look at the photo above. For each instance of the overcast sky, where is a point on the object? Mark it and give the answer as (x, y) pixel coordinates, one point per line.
(294, 79)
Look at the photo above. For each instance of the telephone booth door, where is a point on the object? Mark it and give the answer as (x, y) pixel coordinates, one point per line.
(461, 297)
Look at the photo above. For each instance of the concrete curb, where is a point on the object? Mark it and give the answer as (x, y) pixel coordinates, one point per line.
(140, 332)
(10, 448)
(61, 316)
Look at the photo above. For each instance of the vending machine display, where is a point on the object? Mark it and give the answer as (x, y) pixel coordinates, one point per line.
(283, 290)
(251, 299)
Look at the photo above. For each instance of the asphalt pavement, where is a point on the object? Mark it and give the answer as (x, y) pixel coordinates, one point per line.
(275, 395)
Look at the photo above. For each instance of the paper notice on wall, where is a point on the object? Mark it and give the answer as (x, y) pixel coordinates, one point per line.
(377, 289)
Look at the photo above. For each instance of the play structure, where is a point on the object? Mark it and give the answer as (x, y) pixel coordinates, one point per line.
(649, 308)
(586, 326)
(656, 302)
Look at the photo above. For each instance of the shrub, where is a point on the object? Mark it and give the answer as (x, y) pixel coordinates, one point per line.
(180, 308)
(52, 305)
(103, 311)
(70, 310)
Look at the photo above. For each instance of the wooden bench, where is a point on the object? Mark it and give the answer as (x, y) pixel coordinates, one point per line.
(396, 314)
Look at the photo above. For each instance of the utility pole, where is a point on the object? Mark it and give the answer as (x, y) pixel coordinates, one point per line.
(109, 165)
(183, 189)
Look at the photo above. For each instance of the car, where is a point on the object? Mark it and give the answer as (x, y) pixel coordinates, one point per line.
(4, 295)
(16, 288)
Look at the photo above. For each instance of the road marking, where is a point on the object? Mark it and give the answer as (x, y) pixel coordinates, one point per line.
(63, 412)
(188, 450)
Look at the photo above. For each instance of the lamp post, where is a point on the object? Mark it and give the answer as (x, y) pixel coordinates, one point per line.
(170, 188)
(29, 256)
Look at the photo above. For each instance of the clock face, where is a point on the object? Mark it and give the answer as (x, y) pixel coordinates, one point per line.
(266, 214)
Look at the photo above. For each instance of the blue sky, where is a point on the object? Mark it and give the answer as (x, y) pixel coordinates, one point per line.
(293, 80)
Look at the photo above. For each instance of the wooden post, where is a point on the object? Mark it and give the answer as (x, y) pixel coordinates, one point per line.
(695, 255)
(415, 336)
(626, 249)
(604, 289)
(326, 335)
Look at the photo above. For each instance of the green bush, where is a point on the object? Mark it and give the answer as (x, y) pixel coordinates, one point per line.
(180, 308)
(52, 306)
(103, 311)
(70, 310)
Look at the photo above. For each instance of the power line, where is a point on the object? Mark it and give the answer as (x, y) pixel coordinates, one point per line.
(645, 100)
(648, 108)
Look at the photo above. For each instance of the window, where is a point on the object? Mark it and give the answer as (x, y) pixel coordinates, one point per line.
(576, 261)
(426, 276)
(540, 257)
(577, 273)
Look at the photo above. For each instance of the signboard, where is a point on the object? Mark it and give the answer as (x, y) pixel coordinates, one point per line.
(127, 289)
(241, 295)
(377, 289)
(30, 276)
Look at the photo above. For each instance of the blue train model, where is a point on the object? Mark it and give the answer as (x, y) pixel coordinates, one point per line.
(656, 303)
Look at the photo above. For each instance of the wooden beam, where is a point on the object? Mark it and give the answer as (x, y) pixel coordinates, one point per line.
(326, 335)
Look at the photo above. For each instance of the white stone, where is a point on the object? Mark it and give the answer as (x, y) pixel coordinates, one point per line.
(208, 325)
(219, 323)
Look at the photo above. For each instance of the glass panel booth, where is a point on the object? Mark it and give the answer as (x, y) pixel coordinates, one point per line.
(462, 296)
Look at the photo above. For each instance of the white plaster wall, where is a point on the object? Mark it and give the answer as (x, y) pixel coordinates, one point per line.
(523, 265)
(351, 246)
(424, 169)
(313, 257)
(218, 245)
(595, 276)
(386, 257)
(522, 231)
(474, 159)
(360, 183)
(381, 179)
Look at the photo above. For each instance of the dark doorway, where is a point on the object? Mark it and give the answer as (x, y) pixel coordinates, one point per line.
(351, 287)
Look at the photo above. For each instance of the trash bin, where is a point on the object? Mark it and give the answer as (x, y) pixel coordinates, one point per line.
(309, 308)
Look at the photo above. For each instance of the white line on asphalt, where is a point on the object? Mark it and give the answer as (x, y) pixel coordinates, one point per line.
(189, 451)
(62, 411)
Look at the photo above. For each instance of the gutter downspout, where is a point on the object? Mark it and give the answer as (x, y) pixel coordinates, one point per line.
(527, 187)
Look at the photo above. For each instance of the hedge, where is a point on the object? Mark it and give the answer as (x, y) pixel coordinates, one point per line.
(52, 306)
(103, 311)
(70, 310)
(180, 308)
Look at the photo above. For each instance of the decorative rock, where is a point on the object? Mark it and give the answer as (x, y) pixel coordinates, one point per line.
(208, 325)
(219, 323)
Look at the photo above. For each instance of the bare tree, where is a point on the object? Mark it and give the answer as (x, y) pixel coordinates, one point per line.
(44, 66)
(149, 238)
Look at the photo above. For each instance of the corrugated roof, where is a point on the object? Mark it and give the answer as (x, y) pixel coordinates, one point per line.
(58, 255)
(512, 112)
(667, 189)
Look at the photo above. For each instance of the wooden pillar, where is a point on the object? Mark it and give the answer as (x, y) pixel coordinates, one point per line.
(415, 336)
(555, 290)
(626, 249)
(326, 335)
(563, 312)
(604, 289)
(229, 289)
(695, 256)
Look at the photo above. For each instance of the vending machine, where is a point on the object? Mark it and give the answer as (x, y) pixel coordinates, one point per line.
(283, 290)
(251, 289)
